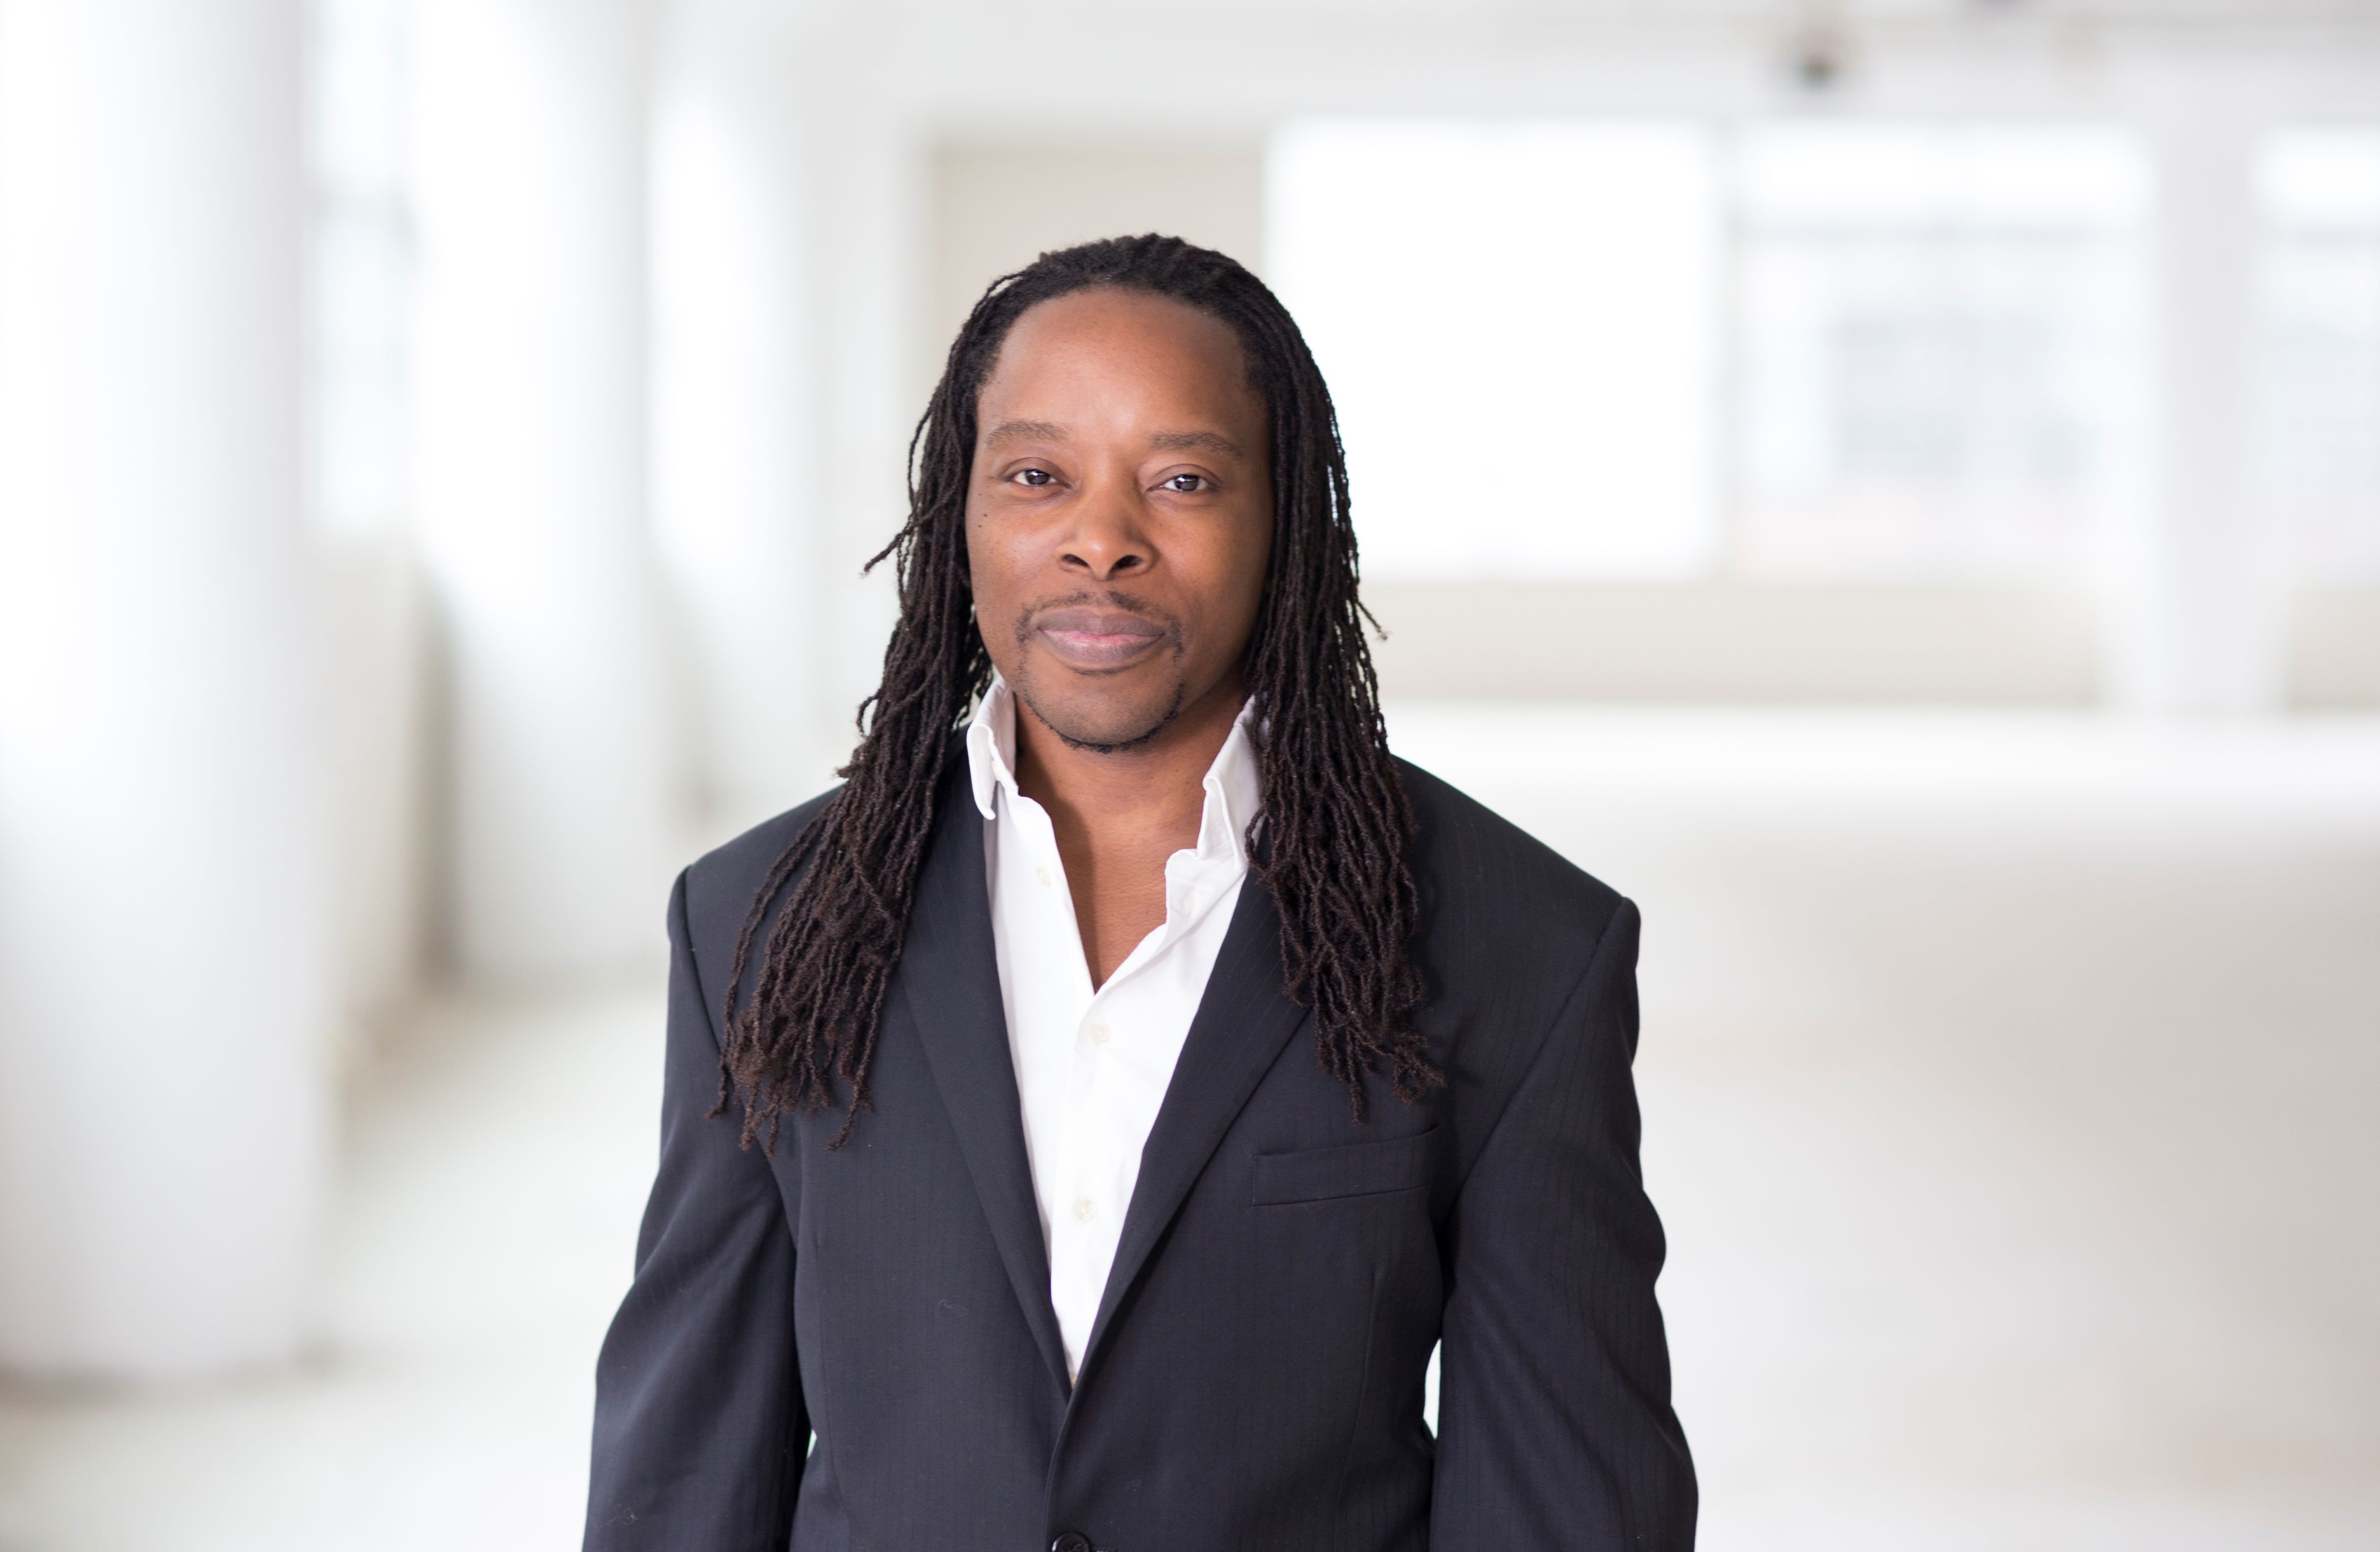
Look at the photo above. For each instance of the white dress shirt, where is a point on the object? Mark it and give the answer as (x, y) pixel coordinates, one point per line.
(1092, 1066)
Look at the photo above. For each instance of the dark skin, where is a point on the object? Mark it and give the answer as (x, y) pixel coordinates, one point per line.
(1119, 525)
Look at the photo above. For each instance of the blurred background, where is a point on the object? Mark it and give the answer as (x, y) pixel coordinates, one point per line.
(1893, 485)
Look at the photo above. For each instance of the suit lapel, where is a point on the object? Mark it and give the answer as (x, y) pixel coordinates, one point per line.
(1244, 1019)
(950, 980)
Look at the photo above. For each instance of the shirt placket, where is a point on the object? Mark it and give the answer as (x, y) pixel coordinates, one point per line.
(1091, 1190)
(1063, 1153)
(1093, 1108)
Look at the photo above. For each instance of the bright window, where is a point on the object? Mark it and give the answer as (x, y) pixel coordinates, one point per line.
(1610, 350)
(1939, 339)
(361, 266)
(2320, 402)
(1519, 324)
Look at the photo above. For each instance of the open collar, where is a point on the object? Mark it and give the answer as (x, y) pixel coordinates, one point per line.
(1234, 792)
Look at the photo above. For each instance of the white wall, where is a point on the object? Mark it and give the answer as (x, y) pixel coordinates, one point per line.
(998, 207)
(165, 980)
(1750, 643)
(530, 163)
(736, 408)
(374, 625)
(2201, 618)
(830, 187)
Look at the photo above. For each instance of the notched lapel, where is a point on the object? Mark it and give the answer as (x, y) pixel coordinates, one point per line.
(1244, 1019)
(949, 980)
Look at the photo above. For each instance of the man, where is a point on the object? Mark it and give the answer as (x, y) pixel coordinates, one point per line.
(1080, 1126)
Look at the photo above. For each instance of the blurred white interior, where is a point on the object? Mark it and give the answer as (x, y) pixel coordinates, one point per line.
(1893, 485)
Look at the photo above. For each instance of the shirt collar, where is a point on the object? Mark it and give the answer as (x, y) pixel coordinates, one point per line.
(991, 746)
(1233, 793)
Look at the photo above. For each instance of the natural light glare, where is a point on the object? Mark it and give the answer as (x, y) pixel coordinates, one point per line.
(361, 261)
(2321, 294)
(1940, 345)
(2018, 177)
(1519, 325)
(2322, 177)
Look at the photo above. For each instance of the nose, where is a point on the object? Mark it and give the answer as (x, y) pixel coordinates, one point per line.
(1109, 540)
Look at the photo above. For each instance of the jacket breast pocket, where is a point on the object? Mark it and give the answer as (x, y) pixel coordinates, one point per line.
(1348, 1169)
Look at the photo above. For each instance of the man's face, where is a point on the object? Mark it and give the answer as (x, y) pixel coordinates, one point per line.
(1118, 514)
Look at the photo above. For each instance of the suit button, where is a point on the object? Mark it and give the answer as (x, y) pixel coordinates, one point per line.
(1070, 1541)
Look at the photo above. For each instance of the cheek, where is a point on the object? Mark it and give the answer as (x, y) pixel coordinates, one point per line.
(1252, 561)
(1231, 590)
(985, 583)
(1004, 541)
(990, 562)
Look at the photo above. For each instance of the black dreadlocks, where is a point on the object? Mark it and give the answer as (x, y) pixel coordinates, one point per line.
(1336, 822)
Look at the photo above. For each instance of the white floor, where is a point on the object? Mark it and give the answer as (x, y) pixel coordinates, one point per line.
(2010, 1086)
(2007, 1089)
(500, 1155)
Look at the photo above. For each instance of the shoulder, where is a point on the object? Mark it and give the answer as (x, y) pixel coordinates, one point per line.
(1483, 876)
(722, 883)
(1512, 933)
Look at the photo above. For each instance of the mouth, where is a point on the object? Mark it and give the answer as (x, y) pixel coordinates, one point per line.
(1095, 638)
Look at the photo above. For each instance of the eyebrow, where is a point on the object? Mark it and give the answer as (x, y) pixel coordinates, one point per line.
(1213, 441)
(1164, 441)
(1025, 430)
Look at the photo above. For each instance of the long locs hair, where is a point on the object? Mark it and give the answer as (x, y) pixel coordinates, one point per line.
(1333, 840)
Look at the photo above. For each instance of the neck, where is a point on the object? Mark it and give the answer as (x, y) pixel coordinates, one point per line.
(1163, 775)
(1119, 814)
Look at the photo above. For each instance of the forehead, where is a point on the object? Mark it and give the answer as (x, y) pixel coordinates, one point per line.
(1120, 351)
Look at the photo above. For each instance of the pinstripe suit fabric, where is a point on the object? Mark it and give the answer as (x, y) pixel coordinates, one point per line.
(1253, 1379)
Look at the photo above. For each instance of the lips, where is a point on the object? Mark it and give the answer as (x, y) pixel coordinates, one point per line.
(1096, 637)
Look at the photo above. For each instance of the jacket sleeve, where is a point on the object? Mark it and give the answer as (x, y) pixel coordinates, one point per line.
(700, 1431)
(1555, 1430)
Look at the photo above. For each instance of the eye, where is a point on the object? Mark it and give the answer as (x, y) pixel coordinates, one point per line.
(1186, 483)
(1036, 477)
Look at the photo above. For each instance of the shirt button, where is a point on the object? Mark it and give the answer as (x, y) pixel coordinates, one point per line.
(1042, 874)
(1082, 1209)
(1073, 1541)
(1098, 1033)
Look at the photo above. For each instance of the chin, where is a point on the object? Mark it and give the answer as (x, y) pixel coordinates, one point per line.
(1109, 724)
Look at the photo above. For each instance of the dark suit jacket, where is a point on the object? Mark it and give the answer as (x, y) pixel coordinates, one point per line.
(1253, 1379)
